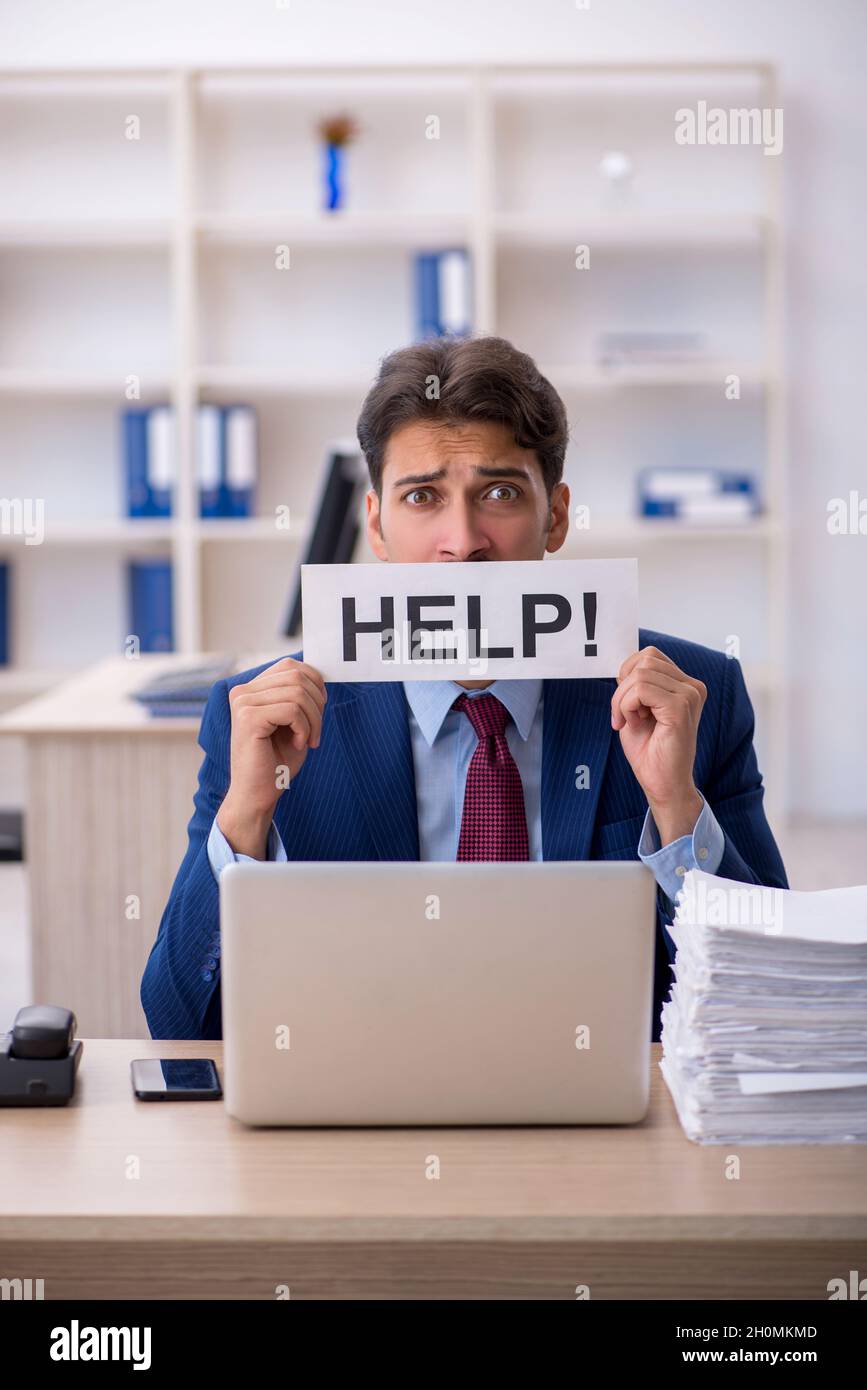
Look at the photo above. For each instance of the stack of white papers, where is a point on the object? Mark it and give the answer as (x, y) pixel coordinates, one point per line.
(764, 1038)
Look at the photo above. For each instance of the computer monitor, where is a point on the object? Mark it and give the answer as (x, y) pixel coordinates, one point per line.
(335, 521)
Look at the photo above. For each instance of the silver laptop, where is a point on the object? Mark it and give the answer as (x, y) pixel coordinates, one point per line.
(437, 993)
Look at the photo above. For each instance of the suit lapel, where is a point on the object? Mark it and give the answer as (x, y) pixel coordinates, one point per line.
(374, 728)
(576, 732)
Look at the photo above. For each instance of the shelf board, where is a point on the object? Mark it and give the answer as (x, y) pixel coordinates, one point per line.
(547, 85)
(539, 229)
(110, 532)
(252, 528)
(590, 377)
(269, 381)
(652, 531)
(122, 83)
(418, 229)
(71, 231)
(359, 80)
(132, 531)
(605, 532)
(616, 531)
(94, 385)
(341, 228)
(516, 76)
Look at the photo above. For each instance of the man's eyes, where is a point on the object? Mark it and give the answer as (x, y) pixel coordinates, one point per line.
(498, 487)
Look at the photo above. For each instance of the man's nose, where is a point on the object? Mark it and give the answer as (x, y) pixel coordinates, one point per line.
(462, 536)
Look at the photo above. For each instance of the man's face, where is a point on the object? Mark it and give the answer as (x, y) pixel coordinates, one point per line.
(463, 492)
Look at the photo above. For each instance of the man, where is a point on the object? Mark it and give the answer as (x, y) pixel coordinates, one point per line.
(465, 443)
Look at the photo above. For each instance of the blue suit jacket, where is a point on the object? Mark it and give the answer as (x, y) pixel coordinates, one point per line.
(354, 799)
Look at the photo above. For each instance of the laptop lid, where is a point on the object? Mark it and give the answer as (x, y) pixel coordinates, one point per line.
(423, 993)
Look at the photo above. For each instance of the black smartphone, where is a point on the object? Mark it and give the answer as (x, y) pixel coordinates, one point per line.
(175, 1078)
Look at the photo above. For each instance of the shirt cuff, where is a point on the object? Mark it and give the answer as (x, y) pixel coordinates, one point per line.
(703, 849)
(220, 852)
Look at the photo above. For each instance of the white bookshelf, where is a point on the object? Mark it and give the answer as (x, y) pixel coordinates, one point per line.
(155, 257)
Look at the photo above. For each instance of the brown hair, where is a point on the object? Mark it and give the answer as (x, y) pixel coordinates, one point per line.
(482, 378)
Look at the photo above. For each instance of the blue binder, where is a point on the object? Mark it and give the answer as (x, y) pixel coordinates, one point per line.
(670, 492)
(240, 460)
(134, 430)
(150, 604)
(210, 458)
(442, 293)
(427, 296)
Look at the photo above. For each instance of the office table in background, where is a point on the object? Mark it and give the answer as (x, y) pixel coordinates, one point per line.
(116, 1198)
(109, 796)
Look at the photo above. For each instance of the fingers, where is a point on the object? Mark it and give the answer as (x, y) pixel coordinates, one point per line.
(652, 659)
(284, 680)
(654, 686)
(652, 692)
(289, 693)
(263, 720)
(287, 665)
(643, 654)
(649, 681)
(265, 711)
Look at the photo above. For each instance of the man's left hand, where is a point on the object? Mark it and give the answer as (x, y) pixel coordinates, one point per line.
(656, 708)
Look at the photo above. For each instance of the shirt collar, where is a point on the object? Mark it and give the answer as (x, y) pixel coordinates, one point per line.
(430, 702)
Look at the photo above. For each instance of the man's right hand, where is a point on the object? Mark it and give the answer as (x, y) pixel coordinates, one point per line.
(276, 718)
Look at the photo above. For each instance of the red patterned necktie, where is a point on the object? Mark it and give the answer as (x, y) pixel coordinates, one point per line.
(494, 825)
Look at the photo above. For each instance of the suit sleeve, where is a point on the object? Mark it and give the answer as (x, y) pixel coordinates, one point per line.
(180, 988)
(734, 791)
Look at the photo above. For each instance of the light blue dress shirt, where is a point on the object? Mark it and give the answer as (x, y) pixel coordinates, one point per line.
(443, 742)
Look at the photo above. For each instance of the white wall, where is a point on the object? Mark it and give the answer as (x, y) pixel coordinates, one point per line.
(820, 50)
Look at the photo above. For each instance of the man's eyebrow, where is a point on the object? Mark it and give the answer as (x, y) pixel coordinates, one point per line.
(418, 479)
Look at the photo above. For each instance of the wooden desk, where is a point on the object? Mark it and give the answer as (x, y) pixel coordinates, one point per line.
(109, 796)
(221, 1211)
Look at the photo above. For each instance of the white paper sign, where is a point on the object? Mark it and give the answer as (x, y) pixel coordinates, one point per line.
(469, 620)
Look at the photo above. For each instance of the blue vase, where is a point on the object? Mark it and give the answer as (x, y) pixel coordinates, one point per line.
(334, 170)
